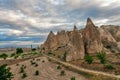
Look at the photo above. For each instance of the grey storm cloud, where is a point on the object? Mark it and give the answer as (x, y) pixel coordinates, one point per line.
(29, 21)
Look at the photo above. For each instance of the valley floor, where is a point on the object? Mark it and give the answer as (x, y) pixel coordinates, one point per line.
(47, 70)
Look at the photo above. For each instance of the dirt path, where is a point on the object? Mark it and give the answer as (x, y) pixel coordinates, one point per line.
(84, 70)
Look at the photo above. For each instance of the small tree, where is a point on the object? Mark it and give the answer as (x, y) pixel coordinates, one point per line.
(5, 73)
(22, 69)
(24, 75)
(88, 59)
(62, 73)
(19, 50)
(50, 52)
(58, 67)
(72, 78)
(37, 73)
(4, 56)
(102, 57)
(64, 56)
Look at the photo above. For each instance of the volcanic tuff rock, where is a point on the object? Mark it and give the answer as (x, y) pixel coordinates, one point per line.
(89, 40)
(92, 38)
(111, 37)
(77, 46)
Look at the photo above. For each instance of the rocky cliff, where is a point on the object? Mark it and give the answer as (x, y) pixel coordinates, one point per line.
(89, 40)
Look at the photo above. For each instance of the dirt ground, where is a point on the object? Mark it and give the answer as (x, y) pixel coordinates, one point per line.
(47, 71)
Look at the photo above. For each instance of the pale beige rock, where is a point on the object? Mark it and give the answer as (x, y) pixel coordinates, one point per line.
(77, 46)
(89, 40)
(92, 38)
(105, 35)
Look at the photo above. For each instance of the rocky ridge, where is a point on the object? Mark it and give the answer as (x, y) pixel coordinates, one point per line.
(89, 40)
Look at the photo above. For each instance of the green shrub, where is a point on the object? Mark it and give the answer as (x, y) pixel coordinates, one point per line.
(43, 61)
(16, 56)
(72, 78)
(32, 63)
(102, 57)
(34, 53)
(109, 66)
(58, 67)
(24, 75)
(4, 56)
(64, 56)
(36, 65)
(33, 49)
(88, 59)
(49, 53)
(37, 73)
(37, 59)
(12, 55)
(5, 73)
(19, 50)
(22, 69)
(62, 73)
(17, 64)
(108, 46)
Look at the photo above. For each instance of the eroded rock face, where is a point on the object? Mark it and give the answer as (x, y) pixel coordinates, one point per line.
(111, 37)
(76, 45)
(70, 41)
(113, 30)
(89, 40)
(92, 38)
(51, 42)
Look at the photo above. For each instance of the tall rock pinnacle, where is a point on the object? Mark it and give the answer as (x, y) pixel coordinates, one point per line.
(92, 39)
(89, 23)
(51, 34)
(75, 28)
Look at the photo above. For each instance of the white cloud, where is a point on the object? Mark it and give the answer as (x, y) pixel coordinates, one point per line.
(101, 22)
(32, 18)
(57, 2)
(19, 43)
(12, 32)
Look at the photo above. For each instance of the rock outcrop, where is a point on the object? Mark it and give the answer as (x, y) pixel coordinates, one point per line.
(110, 38)
(78, 43)
(92, 38)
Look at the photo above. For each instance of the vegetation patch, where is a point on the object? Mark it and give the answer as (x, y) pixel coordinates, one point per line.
(4, 56)
(102, 57)
(36, 73)
(72, 78)
(5, 73)
(88, 59)
(62, 73)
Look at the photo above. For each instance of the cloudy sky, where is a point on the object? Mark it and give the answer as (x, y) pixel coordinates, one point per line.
(26, 22)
